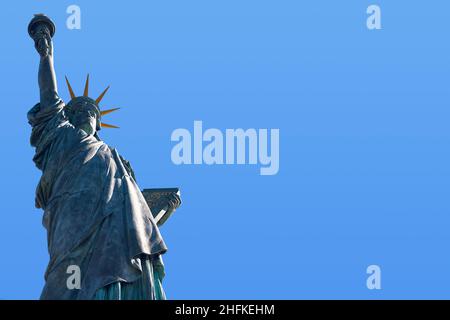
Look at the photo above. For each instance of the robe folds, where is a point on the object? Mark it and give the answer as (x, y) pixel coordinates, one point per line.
(94, 212)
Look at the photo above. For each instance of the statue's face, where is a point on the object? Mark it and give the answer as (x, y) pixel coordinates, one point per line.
(85, 116)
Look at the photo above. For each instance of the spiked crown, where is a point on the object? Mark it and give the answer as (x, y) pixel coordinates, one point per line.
(85, 97)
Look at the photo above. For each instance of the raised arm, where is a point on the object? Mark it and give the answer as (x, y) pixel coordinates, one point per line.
(47, 78)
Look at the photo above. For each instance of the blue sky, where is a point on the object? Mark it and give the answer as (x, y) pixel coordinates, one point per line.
(364, 140)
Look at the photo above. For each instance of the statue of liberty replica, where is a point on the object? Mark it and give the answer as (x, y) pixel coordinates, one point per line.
(100, 225)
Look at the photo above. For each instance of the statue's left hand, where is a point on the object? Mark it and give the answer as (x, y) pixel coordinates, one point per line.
(174, 201)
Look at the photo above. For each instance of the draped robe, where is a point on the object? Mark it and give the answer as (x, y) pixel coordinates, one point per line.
(95, 214)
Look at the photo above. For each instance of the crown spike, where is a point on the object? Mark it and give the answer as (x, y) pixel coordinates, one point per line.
(86, 87)
(100, 97)
(105, 112)
(72, 95)
(105, 125)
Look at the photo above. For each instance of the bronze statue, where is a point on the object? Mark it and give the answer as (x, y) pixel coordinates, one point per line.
(98, 221)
